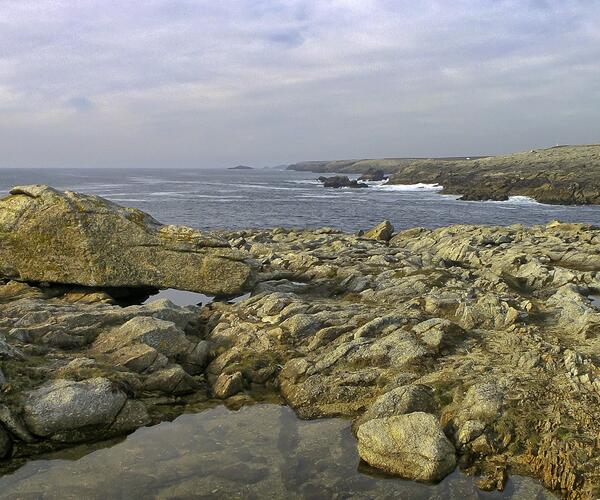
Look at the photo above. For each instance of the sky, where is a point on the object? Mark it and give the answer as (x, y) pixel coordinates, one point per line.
(216, 83)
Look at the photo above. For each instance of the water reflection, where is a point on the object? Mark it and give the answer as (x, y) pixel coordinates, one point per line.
(181, 297)
(260, 451)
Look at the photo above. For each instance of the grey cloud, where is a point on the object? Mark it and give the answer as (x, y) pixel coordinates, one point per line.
(204, 83)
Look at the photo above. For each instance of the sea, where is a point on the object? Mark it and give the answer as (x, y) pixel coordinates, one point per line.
(263, 198)
(261, 450)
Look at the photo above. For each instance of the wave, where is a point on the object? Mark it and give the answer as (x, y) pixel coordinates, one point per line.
(523, 199)
(138, 200)
(316, 196)
(381, 186)
(314, 182)
(514, 200)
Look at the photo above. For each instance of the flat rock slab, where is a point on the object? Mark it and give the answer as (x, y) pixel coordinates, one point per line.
(65, 237)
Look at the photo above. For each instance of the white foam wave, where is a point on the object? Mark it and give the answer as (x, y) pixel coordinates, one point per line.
(262, 186)
(523, 199)
(137, 200)
(514, 200)
(314, 182)
(316, 196)
(407, 187)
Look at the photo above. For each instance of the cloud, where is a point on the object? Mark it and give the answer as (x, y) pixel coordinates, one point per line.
(204, 83)
(80, 104)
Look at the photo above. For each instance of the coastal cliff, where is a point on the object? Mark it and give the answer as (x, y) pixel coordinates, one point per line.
(468, 346)
(566, 175)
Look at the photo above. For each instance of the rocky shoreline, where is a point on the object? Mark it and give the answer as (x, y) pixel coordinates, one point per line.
(563, 175)
(468, 346)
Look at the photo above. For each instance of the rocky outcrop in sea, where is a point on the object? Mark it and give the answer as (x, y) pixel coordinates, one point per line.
(341, 181)
(465, 346)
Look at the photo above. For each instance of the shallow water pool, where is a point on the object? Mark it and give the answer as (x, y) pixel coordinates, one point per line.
(259, 451)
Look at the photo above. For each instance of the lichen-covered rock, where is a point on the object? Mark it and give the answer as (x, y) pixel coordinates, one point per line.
(8, 351)
(171, 380)
(133, 415)
(228, 384)
(491, 328)
(438, 333)
(482, 402)
(382, 231)
(13, 424)
(161, 335)
(399, 401)
(87, 240)
(412, 446)
(63, 405)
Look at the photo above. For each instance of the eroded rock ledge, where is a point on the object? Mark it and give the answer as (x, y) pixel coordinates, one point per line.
(50, 236)
(466, 345)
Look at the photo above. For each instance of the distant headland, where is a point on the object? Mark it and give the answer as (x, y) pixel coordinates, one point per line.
(564, 175)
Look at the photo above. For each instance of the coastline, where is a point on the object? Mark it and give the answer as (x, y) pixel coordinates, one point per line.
(562, 175)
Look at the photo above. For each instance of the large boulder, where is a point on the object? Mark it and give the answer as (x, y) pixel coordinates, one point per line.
(62, 405)
(65, 237)
(412, 446)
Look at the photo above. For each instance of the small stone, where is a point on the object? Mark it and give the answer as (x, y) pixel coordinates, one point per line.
(470, 430)
(195, 360)
(228, 384)
(171, 380)
(301, 325)
(14, 424)
(164, 336)
(133, 415)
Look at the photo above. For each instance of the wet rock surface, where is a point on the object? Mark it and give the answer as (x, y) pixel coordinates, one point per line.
(488, 331)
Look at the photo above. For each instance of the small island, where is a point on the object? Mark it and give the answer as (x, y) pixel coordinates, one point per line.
(240, 167)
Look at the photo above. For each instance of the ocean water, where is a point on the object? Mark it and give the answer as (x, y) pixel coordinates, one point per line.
(238, 199)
